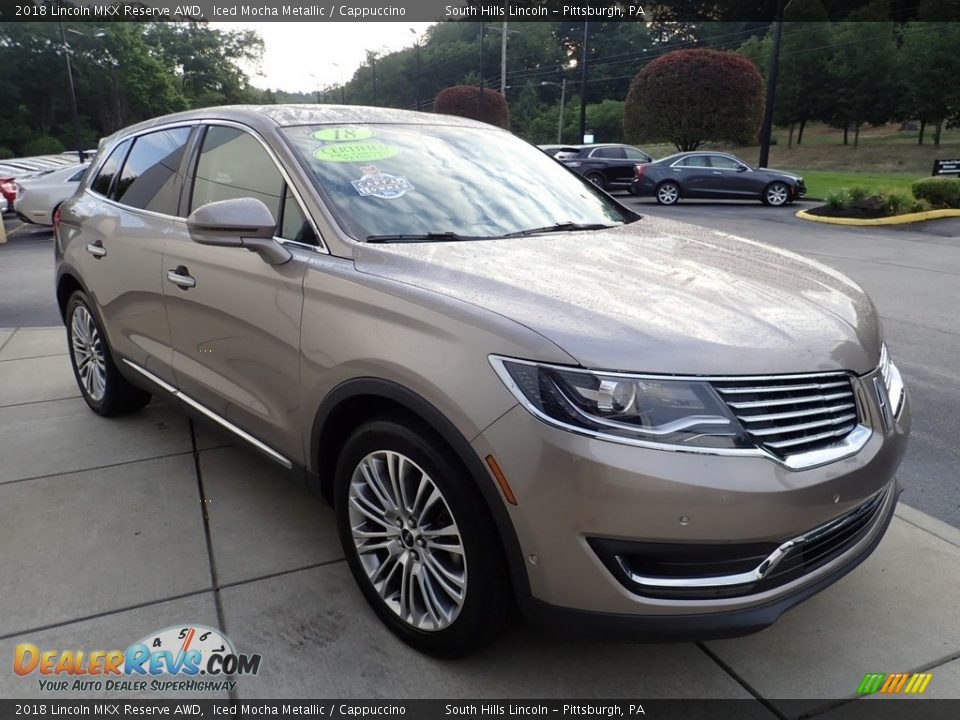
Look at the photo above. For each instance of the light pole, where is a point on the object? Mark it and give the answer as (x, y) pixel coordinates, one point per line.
(372, 56)
(583, 84)
(766, 130)
(563, 97)
(483, 27)
(317, 79)
(343, 88)
(416, 80)
(73, 91)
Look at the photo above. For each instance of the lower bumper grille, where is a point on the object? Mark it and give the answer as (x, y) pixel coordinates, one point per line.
(702, 572)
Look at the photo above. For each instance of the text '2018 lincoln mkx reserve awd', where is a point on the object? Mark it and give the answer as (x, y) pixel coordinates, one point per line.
(515, 391)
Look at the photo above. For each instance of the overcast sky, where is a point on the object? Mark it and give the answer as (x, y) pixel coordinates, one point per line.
(300, 56)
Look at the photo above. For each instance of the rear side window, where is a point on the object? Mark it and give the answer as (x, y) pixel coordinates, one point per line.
(233, 164)
(612, 153)
(149, 180)
(104, 179)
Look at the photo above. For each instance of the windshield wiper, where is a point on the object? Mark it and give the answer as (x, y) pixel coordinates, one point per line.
(422, 237)
(561, 227)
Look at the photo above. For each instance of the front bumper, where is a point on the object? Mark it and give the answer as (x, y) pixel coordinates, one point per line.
(574, 490)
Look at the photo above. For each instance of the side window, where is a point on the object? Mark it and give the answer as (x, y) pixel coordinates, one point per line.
(634, 154)
(233, 164)
(77, 176)
(614, 153)
(721, 161)
(694, 161)
(295, 225)
(101, 183)
(149, 177)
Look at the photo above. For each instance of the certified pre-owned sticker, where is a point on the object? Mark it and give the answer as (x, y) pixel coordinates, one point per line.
(377, 184)
(355, 152)
(343, 134)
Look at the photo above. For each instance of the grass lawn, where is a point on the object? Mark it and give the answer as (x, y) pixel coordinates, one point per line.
(821, 182)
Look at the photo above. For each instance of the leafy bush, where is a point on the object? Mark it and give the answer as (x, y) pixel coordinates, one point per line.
(838, 199)
(464, 100)
(43, 145)
(940, 192)
(898, 203)
(691, 96)
(857, 193)
(5, 153)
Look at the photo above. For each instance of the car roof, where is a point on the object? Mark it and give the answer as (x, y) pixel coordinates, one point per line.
(268, 117)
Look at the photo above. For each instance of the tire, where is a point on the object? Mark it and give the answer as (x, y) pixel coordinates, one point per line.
(776, 194)
(597, 179)
(668, 193)
(458, 601)
(105, 390)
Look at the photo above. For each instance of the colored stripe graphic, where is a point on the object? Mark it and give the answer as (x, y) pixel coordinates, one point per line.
(894, 683)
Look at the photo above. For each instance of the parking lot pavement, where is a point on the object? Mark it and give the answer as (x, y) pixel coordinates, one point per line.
(113, 529)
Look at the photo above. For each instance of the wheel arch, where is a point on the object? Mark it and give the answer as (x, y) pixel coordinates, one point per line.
(357, 400)
(68, 282)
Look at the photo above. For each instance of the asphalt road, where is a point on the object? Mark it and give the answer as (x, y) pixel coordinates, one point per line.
(912, 273)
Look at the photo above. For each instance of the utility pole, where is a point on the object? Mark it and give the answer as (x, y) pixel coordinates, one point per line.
(483, 26)
(416, 80)
(766, 130)
(563, 97)
(73, 95)
(503, 59)
(373, 64)
(583, 83)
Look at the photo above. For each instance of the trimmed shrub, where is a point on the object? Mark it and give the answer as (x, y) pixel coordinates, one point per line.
(898, 203)
(691, 96)
(464, 100)
(43, 145)
(857, 193)
(940, 192)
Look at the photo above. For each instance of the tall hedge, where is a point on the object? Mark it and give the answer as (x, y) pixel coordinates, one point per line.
(688, 97)
(464, 100)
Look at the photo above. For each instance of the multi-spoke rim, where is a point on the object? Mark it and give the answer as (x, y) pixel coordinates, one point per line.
(407, 540)
(668, 193)
(88, 353)
(777, 194)
(596, 180)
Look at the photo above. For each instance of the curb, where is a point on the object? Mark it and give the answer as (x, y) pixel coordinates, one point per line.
(938, 528)
(895, 220)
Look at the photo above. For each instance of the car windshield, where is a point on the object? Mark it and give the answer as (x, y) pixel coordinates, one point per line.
(434, 183)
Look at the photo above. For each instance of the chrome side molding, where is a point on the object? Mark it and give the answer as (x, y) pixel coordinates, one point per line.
(222, 422)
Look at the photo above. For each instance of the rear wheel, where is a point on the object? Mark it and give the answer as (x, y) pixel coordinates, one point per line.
(668, 193)
(776, 194)
(417, 539)
(597, 179)
(105, 390)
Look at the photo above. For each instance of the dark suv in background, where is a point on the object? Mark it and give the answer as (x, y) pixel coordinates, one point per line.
(609, 167)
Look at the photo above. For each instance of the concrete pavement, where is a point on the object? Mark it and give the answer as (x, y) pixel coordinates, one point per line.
(113, 528)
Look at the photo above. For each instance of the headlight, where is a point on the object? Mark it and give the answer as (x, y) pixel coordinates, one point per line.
(620, 406)
(892, 380)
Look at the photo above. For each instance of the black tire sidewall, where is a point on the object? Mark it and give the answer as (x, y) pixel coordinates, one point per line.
(487, 601)
(599, 176)
(118, 395)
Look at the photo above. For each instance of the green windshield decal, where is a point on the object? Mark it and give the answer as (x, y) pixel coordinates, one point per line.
(355, 152)
(343, 134)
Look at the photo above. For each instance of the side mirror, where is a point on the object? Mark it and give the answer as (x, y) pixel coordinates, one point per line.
(243, 222)
(742, 168)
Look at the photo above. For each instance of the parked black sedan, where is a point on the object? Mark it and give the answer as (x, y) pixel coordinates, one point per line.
(608, 166)
(714, 175)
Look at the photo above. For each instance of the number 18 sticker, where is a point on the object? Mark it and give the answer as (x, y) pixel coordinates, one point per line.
(343, 134)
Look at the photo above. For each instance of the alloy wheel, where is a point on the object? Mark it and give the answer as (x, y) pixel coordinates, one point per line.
(668, 193)
(407, 540)
(87, 348)
(777, 194)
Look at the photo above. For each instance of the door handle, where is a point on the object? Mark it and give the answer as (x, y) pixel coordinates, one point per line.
(96, 249)
(181, 278)
(717, 172)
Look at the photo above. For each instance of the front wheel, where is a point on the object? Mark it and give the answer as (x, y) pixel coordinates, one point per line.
(105, 390)
(668, 193)
(417, 538)
(776, 194)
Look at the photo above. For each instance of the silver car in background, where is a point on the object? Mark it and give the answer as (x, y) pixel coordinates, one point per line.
(514, 390)
(39, 197)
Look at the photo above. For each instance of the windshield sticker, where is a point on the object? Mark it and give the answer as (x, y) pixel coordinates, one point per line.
(355, 152)
(343, 134)
(377, 184)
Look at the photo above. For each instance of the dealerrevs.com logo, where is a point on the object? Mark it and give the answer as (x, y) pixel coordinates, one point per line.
(188, 658)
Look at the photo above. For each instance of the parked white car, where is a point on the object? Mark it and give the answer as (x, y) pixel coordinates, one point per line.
(39, 197)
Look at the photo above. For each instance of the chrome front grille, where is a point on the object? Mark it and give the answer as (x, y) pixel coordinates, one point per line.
(793, 414)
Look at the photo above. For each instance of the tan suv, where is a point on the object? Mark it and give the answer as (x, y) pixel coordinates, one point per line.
(514, 390)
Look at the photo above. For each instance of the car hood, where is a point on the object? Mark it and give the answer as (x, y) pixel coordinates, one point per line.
(654, 296)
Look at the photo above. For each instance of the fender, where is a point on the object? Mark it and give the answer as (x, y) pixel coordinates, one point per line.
(455, 440)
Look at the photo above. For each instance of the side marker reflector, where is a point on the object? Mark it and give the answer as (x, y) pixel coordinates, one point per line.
(501, 480)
